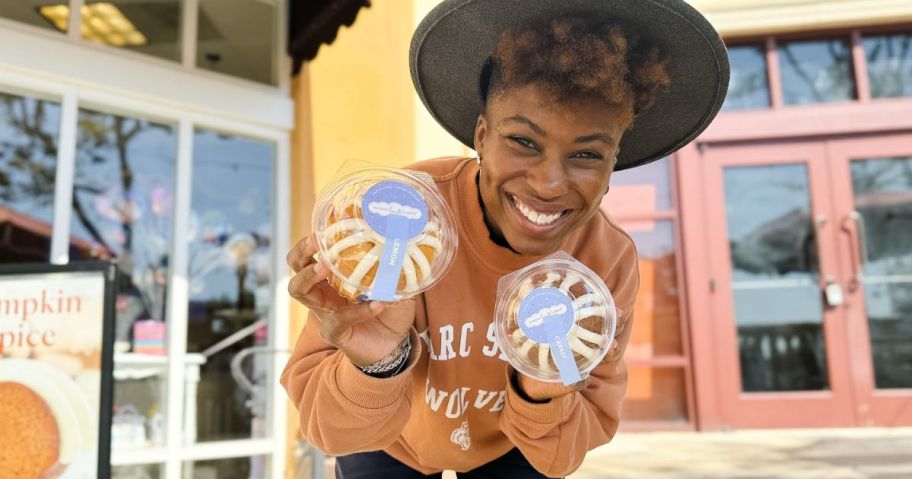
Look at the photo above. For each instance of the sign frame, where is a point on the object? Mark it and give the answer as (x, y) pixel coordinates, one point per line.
(108, 271)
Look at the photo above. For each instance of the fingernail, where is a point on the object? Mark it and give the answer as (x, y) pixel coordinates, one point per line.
(377, 306)
(320, 268)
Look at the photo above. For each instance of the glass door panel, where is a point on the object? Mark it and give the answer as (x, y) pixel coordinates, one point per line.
(882, 197)
(778, 309)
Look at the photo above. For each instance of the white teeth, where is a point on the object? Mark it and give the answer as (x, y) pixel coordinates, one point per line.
(536, 217)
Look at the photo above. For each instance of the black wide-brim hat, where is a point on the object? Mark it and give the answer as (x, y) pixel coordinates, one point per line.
(454, 41)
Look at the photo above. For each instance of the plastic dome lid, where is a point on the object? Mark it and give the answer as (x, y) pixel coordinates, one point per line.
(555, 319)
(385, 233)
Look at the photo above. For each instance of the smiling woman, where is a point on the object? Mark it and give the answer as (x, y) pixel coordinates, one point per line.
(554, 98)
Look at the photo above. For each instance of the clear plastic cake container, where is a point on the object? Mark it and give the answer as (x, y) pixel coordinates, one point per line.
(555, 320)
(385, 233)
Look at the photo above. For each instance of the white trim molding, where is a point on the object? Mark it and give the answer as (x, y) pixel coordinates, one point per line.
(57, 59)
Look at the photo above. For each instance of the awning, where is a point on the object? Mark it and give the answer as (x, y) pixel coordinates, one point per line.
(315, 22)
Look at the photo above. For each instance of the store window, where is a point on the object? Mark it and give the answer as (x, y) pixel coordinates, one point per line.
(234, 468)
(139, 471)
(29, 128)
(123, 208)
(237, 37)
(151, 27)
(748, 87)
(816, 71)
(656, 394)
(177, 191)
(889, 59)
(658, 321)
(233, 37)
(643, 203)
(231, 279)
(641, 190)
(28, 12)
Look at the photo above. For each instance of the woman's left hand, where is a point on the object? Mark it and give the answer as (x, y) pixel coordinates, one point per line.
(540, 391)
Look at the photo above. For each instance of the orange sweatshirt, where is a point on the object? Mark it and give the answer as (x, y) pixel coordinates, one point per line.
(454, 407)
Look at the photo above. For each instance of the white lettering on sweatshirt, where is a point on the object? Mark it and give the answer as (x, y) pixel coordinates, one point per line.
(490, 350)
(444, 344)
(459, 400)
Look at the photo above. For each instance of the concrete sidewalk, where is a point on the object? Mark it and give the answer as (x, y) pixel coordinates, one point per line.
(863, 453)
(870, 453)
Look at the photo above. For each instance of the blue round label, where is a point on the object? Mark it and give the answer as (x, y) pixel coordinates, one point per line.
(391, 202)
(546, 313)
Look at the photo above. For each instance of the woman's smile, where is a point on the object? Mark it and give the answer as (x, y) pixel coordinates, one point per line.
(537, 219)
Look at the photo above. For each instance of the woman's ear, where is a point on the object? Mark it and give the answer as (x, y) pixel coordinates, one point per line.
(481, 131)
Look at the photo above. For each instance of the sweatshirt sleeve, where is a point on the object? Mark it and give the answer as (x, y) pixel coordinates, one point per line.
(555, 436)
(342, 409)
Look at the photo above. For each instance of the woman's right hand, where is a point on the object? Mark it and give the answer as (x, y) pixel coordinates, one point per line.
(364, 332)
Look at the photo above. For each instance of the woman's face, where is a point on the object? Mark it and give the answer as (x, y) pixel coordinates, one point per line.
(546, 165)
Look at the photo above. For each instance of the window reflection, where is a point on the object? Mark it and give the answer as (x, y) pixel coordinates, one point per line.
(882, 189)
(29, 128)
(816, 71)
(748, 87)
(230, 275)
(641, 190)
(777, 302)
(657, 316)
(889, 65)
(655, 394)
(122, 207)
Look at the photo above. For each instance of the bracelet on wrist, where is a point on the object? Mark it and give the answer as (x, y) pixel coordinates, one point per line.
(392, 363)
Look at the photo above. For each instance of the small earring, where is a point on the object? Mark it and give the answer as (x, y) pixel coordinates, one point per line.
(478, 160)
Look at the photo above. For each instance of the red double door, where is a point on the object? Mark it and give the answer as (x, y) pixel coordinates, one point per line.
(807, 265)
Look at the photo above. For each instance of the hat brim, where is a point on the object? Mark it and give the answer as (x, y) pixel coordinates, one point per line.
(453, 42)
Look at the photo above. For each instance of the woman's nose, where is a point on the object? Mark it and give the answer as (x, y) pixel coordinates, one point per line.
(548, 178)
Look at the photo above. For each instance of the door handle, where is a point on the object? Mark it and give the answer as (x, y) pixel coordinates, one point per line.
(832, 293)
(858, 246)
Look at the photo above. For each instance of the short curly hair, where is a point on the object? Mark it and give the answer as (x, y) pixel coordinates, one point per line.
(575, 57)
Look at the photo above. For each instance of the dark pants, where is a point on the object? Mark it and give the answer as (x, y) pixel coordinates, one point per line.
(378, 464)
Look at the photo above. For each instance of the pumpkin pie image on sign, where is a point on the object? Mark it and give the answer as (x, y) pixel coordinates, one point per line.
(47, 429)
(29, 437)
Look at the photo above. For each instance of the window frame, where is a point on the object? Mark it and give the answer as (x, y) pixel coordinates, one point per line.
(859, 66)
(683, 361)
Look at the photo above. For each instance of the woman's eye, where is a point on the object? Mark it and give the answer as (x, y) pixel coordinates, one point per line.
(524, 142)
(587, 155)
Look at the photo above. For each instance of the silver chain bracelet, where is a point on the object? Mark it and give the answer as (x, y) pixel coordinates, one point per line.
(391, 361)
